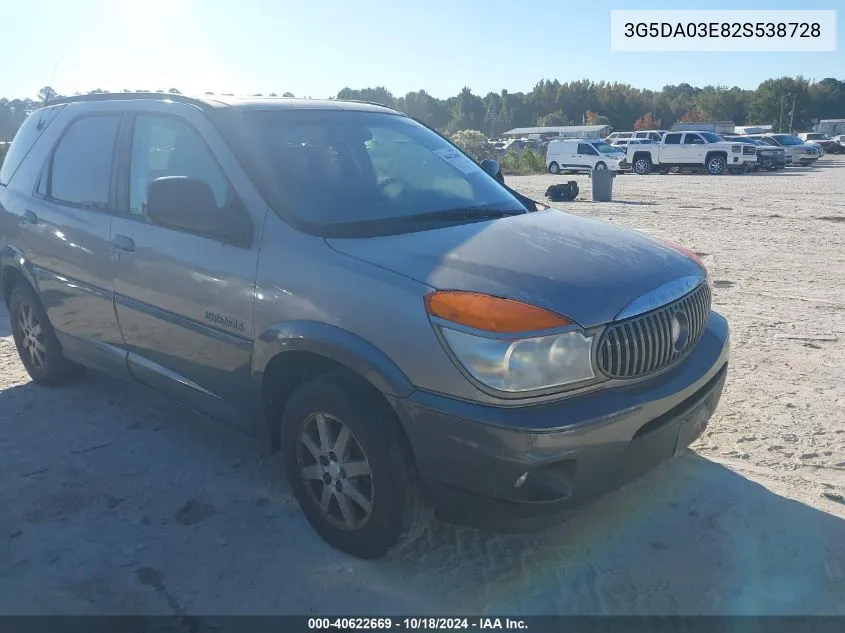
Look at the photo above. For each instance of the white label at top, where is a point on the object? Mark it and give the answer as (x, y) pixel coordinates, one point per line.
(723, 30)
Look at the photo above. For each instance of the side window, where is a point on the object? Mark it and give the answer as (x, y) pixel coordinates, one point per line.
(26, 136)
(770, 140)
(672, 139)
(81, 168)
(693, 139)
(654, 136)
(586, 148)
(165, 146)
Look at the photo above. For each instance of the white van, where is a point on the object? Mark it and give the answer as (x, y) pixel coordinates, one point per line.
(582, 154)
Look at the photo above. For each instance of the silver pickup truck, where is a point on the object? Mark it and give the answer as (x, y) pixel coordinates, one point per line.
(697, 151)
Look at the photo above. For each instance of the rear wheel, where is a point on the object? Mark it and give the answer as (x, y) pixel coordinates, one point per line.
(36, 342)
(554, 168)
(355, 483)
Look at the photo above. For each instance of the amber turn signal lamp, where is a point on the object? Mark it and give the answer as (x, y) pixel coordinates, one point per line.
(491, 314)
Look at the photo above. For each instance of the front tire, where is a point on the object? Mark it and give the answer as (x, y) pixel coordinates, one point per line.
(642, 165)
(716, 165)
(354, 481)
(554, 168)
(600, 166)
(737, 171)
(35, 339)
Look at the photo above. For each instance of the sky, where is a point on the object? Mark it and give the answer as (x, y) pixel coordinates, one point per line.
(314, 48)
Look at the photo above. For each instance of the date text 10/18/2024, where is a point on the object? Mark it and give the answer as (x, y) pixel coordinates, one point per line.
(416, 624)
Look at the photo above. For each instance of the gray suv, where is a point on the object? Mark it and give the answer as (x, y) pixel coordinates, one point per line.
(339, 280)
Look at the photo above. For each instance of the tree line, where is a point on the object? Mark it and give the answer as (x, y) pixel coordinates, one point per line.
(552, 102)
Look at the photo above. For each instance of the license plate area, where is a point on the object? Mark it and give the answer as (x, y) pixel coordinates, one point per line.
(692, 426)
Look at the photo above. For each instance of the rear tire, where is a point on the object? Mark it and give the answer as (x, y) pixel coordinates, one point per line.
(354, 481)
(36, 342)
(554, 168)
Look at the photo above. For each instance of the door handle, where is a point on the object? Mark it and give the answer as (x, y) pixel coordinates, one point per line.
(30, 217)
(123, 243)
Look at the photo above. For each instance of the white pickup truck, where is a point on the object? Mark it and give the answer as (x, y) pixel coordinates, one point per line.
(692, 151)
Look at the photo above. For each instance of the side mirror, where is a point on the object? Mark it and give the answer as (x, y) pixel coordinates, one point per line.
(493, 168)
(188, 204)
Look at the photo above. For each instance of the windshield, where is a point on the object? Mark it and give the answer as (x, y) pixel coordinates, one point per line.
(787, 139)
(710, 137)
(605, 148)
(343, 172)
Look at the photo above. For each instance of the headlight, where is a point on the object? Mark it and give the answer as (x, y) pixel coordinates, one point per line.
(497, 353)
(524, 364)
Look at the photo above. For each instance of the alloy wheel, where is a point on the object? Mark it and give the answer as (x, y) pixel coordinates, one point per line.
(32, 336)
(335, 471)
(716, 165)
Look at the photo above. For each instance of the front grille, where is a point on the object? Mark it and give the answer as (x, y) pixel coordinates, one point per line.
(644, 344)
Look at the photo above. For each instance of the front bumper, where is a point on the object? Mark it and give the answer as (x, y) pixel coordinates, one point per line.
(771, 161)
(574, 450)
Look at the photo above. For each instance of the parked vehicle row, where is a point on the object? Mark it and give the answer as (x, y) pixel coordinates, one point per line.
(671, 152)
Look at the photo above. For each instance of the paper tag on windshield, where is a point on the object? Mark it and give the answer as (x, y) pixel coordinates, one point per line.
(457, 160)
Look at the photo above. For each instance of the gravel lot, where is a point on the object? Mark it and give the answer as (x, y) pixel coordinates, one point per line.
(114, 501)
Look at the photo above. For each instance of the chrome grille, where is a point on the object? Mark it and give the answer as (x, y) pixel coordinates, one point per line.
(644, 344)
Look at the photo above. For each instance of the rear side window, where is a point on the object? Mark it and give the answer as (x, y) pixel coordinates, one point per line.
(672, 139)
(82, 162)
(27, 134)
(693, 139)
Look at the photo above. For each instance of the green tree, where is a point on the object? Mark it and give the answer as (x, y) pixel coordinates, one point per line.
(775, 96)
(474, 143)
(552, 119)
(47, 94)
(724, 104)
(467, 112)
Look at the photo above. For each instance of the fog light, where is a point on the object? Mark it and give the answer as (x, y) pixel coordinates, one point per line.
(520, 481)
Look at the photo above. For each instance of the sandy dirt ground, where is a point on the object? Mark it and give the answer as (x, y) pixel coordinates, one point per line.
(114, 501)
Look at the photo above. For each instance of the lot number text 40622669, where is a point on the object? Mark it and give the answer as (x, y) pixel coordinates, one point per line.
(417, 624)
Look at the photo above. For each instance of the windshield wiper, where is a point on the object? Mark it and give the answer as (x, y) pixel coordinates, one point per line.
(463, 213)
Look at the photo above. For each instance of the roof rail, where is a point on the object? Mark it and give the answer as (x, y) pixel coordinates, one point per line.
(375, 103)
(115, 96)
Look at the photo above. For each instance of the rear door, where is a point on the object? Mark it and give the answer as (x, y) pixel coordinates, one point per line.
(184, 300)
(693, 148)
(66, 233)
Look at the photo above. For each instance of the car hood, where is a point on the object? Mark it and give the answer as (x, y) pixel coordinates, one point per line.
(584, 269)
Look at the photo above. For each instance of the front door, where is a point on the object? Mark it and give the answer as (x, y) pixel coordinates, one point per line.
(587, 156)
(184, 301)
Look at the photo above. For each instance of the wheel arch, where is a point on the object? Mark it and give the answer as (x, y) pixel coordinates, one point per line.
(14, 268)
(288, 354)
